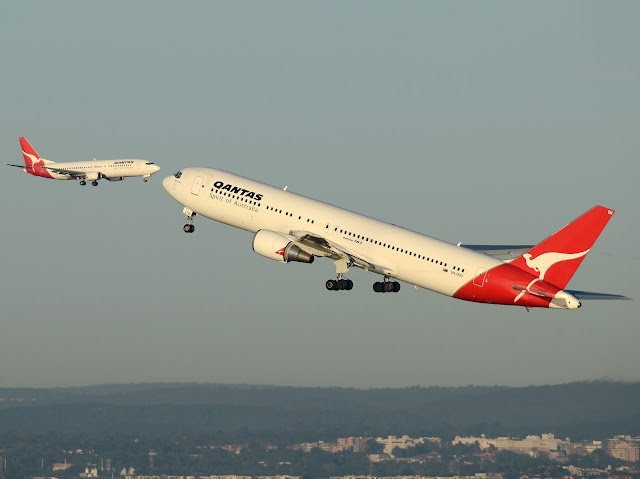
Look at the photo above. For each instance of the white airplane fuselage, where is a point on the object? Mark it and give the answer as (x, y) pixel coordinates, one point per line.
(95, 170)
(112, 170)
(290, 227)
(392, 251)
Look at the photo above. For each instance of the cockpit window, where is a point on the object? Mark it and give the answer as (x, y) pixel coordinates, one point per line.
(178, 174)
(150, 163)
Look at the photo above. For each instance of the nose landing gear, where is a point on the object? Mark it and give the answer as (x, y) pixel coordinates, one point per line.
(189, 228)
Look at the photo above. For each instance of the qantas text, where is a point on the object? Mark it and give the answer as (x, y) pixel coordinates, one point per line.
(237, 190)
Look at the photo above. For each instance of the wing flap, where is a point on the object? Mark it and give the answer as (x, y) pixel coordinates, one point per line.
(332, 250)
(62, 171)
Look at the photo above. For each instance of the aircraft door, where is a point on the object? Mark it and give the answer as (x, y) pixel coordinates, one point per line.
(480, 276)
(197, 185)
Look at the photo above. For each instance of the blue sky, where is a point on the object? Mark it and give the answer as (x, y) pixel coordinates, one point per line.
(480, 122)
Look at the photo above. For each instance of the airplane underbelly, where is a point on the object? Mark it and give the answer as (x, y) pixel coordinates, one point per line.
(435, 278)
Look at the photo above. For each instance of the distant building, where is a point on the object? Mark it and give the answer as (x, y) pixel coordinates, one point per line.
(356, 444)
(61, 466)
(529, 445)
(582, 448)
(235, 448)
(90, 471)
(404, 442)
(625, 448)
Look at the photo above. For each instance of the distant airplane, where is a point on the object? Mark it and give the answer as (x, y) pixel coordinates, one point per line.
(289, 227)
(112, 170)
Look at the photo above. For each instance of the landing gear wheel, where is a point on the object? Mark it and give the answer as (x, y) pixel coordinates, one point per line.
(386, 287)
(188, 228)
(340, 284)
(94, 183)
(82, 182)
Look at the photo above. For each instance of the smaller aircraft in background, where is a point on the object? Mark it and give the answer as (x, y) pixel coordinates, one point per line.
(112, 170)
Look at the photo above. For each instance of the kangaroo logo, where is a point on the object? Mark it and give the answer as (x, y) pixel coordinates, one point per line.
(34, 159)
(541, 263)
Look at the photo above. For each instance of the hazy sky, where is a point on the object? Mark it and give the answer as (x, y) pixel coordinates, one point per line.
(480, 122)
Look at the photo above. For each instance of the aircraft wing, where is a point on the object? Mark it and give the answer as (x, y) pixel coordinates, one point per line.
(321, 246)
(63, 171)
(503, 252)
(586, 295)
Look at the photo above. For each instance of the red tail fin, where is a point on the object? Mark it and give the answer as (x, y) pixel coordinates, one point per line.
(31, 156)
(558, 257)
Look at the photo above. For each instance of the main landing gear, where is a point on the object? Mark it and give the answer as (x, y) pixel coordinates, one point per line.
(189, 228)
(94, 183)
(386, 286)
(339, 284)
(342, 267)
(82, 182)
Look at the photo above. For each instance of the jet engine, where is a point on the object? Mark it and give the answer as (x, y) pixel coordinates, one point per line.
(279, 247)
(113, 178)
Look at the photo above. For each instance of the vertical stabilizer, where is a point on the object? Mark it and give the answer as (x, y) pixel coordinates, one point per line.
(557, 258)
(31, 156)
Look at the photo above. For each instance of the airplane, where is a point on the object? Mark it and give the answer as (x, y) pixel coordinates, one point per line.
(112, 170)
(288, 227)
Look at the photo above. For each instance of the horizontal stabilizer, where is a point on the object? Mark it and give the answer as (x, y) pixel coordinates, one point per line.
(504, 252)
(21, 166)
(587, 295)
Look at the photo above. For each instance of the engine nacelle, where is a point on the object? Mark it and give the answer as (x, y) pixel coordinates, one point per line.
(92, 175)
(279, 247)
(113, 178)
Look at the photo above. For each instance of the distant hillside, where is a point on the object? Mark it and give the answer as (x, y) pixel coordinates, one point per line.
(578, 410)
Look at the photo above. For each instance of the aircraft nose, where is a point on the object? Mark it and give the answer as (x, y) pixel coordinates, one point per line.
(167, 183)
(156, 168)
